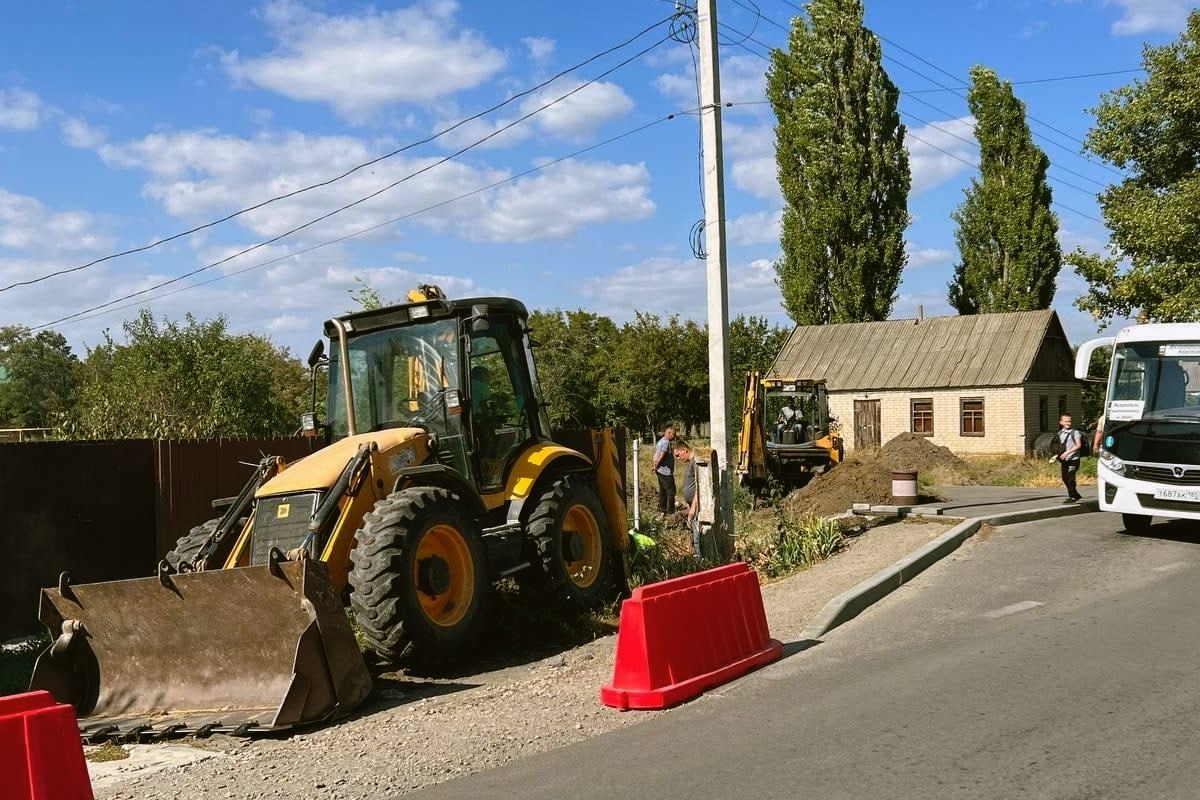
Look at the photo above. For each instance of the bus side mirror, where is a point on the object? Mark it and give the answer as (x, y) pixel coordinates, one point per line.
(1083, 358)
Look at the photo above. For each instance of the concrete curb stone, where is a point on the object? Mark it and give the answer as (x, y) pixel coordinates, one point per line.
(854, 601)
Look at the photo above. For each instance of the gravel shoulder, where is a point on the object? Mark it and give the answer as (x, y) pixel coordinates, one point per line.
(414, 732)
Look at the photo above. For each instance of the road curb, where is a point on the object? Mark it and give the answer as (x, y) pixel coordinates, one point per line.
(854, 601)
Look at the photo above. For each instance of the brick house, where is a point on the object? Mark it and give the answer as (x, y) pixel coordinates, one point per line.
(984, 383)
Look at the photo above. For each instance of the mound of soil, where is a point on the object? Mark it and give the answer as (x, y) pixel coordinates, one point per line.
(867, 478)
(909, 451)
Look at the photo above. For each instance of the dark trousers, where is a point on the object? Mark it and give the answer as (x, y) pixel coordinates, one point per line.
(666, 493)
(1069, 468)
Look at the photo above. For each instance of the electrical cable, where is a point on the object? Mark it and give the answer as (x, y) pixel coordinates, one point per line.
(909, 94)
(954, 77)
(975, 143)
(347, 173)
(374, 194)
(957, 157)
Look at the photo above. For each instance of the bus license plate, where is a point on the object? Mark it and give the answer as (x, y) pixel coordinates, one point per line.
(1186, 495)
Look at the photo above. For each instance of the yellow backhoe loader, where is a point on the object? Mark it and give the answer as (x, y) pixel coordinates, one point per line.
(440, 477)
(787, 434)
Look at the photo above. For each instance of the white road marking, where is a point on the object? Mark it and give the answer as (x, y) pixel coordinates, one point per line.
(1015, 608)
(1174, 565)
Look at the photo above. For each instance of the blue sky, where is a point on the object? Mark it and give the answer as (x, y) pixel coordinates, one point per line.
(124, 123)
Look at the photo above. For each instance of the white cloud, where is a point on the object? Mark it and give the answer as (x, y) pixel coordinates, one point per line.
(26, 224)
(926, 256)
(743, 80)
(576, 117)
(579, 115)
(20, 110)
(752, 153)
(559, 201)
(1034, 28)
(540, 48)
(759, 227)
(358, 63)
(1147, 16)
(937, 152)
(200, 174)
(665, 286)
(79, 133)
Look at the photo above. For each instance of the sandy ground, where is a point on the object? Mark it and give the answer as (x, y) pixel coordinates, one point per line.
(416, 732)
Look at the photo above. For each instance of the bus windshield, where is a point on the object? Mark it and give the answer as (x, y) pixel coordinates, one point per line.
(1155, 380)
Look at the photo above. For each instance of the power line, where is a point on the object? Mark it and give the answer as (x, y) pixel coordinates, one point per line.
(975, 143)
(958, 91)
(948, 114)
(107, 308)
(347, 173)
(1051, 80)
(957, 157)
(374, 194)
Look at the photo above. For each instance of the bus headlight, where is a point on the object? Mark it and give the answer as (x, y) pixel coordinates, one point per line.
(1112, 462)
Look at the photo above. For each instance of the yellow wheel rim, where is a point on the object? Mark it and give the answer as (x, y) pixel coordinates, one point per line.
(444, 575)
(581, 546)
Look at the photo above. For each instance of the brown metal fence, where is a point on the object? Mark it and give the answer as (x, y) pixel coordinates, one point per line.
(105, 511)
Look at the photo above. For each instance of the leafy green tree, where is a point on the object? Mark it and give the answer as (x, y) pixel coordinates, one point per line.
(570, 354)
(1150, 129)
(40, 377)
(843, 169)
(190, 380)
(753, 345)
(1007, 235)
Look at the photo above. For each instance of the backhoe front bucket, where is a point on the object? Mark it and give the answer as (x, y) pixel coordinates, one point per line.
(227, 651)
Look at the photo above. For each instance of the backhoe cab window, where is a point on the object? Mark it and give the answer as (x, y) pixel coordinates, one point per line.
(404, 377)
(499, 388)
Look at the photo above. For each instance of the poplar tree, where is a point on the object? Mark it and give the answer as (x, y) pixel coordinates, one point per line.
(843, 169)
(1007, 235)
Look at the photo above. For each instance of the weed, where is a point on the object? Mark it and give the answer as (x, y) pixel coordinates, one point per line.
(795, 545)
(16, 662)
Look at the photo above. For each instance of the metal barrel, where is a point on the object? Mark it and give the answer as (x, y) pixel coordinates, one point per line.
(265, 647)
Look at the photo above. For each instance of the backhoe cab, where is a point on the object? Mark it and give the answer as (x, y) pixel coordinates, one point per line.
(439, 478)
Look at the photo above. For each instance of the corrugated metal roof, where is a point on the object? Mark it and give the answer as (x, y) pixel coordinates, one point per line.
(935, 352)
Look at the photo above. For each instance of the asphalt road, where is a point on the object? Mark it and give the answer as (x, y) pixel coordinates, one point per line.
(1054, 659)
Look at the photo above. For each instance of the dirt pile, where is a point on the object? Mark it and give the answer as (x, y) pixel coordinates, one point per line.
(909, 451)
(867, 478)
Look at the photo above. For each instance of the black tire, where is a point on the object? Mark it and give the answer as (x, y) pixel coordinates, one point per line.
(188, 547)
(1136, 523)
(419, 575)
(571, 541)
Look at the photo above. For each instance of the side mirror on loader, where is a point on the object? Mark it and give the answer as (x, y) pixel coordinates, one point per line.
(479, 318)
(318, 353)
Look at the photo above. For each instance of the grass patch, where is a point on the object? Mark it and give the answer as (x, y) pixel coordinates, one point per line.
(108, 751)
(1002, 470)
(16, 662)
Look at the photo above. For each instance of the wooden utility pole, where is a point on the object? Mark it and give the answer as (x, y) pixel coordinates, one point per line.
(718, 283)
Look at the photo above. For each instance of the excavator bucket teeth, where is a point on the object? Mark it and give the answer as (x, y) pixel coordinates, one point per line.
(259, 648)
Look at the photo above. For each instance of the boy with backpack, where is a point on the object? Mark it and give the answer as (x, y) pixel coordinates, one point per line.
(1068, 446)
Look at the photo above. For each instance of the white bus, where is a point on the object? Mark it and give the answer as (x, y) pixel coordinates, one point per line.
(1149, 463)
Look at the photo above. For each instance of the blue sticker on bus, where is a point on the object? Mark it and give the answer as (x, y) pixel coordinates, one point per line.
(1108, 441)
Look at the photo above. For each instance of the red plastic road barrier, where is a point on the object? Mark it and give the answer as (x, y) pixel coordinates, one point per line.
(682, 636)
(41, 757)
